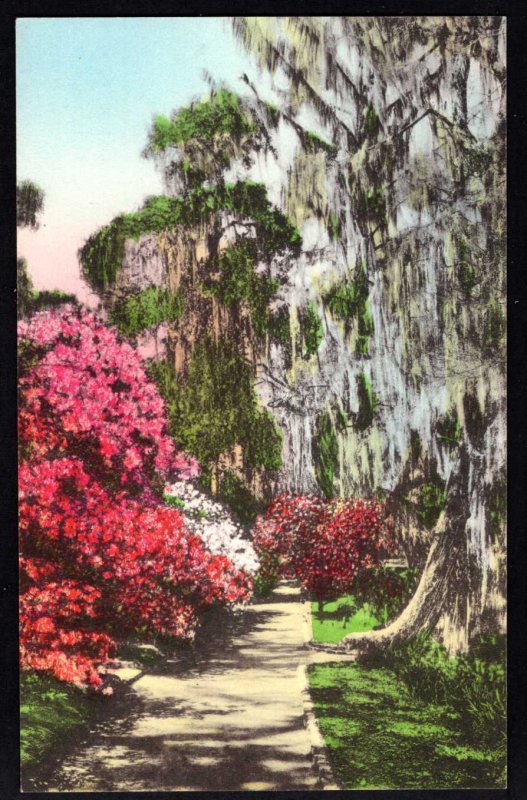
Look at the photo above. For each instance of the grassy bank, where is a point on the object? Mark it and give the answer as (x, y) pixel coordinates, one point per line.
(49, 713)
(380, 736)
(411, 716)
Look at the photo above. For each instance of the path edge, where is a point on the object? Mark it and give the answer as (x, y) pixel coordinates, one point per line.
(319, 750)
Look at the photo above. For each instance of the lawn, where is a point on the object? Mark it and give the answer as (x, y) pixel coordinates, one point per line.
(341, 617)
(379, 736)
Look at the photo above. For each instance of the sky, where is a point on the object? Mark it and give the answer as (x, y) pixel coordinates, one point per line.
(87, 91)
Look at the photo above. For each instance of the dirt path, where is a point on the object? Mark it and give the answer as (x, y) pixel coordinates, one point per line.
(231, 719)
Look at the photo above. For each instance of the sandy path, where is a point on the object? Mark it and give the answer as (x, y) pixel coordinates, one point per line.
(230, 719)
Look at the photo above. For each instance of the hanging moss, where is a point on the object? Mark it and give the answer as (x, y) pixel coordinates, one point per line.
(497, 507)
(312, 328)
(150, 307)
(342, 420)
(102, 255)
(371, 122)
(334, 227)
(494, 326)
(449, 429)
(368, 403)
(279, 325)
(372, 205)
(325, 453)
(366, 327)
(349, 299)
(217, 407)
(239, 282)
(415, 446)
(272, 113)
(313, 143)
(474, 419)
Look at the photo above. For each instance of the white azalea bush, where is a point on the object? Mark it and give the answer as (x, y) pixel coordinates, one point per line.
(214, 523)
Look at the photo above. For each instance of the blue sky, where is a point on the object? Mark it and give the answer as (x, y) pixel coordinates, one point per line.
(87, 90)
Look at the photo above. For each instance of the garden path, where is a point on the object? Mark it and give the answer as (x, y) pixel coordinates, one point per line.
(229, 716)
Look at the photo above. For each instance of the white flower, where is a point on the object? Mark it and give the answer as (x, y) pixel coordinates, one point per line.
(218, 530)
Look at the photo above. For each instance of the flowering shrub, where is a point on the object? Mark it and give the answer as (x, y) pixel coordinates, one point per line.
(215, 525)
(96, 562)
(323, 544)
(85, 393)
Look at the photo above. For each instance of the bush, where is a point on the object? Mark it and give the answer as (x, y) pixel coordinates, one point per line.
(323, 544)
(214, 524)
(96, 562)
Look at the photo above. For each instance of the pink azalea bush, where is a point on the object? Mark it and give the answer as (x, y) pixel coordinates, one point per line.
(324, 544)
(102, 555)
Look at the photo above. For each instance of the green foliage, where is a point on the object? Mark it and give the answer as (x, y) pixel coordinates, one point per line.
(371, 121)
(238, 281)
(50, 713)
(467, 277)
(218, 117)
(497, 507)
(312, 328)
(217, 407)
(102, 255)
(175, 502)
(377, 596)
(239, 498)
(279, 325)
(474, 684)
(368, 403)
(237, 275)
(29, 204)
(432, 500)
(348, 301)
(381, 736)
(145, 309)
(325, 453)
(313, 143)
(449, 429)
(334, 226)
(494, 326)
(341, 617)
(29, 300)
(24, 288)
(51, 299)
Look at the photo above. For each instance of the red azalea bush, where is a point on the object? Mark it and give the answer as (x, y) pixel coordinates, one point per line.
(96, 562)
(322, 543)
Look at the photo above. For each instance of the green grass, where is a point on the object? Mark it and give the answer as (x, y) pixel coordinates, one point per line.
(50, 712)
(379, 736)
(341, 617)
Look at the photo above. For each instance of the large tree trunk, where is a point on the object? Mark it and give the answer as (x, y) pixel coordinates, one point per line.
(457, 595)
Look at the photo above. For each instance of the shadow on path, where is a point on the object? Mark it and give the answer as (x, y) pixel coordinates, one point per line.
(223, 715)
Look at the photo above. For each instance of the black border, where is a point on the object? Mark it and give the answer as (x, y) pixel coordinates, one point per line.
(517, 357)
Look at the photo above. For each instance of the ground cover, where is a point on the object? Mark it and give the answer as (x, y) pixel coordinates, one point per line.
(50, 711)
(380, 736)
(340, 617)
